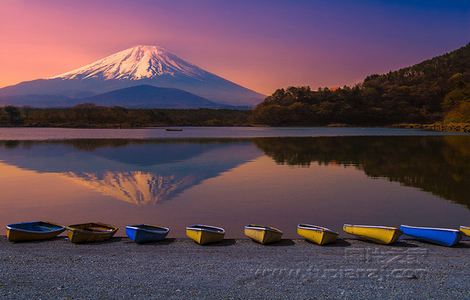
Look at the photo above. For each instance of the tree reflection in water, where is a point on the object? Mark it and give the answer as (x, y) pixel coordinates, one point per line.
(440, 165)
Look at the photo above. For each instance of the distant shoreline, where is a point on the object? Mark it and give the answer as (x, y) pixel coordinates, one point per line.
(90, 116)
(103, 117)
(439, 127)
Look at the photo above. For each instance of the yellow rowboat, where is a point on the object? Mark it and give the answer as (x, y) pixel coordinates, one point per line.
(379, 234)
(465, 230)
(263, 234)
(33, 231)
(316, 234)
(205, 234)
(90, 232)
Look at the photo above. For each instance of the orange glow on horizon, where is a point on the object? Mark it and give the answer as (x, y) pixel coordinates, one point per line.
(260, 45)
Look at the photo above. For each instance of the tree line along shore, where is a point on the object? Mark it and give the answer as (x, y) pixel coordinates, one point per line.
(90, 116)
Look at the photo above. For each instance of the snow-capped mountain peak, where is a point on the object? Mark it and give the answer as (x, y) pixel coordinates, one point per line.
(136, 66)
(140, 62)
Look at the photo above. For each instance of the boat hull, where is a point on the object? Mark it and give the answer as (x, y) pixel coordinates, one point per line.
(378, 234)
(465, 230)
(263, 234)
(439, 236)
(146, 234)
(316, 234)
(32, 231)
(204, 234)
(90, 232)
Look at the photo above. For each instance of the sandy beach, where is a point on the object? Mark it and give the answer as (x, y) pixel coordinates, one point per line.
(234, 269)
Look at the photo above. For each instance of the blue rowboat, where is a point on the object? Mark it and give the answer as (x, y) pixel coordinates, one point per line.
(440, 236)
(33, 231)
(146, 233)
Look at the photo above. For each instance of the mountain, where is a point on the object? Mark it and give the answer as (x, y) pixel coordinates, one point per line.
(40, 101)
(147, 96)
(433, 90)
(141, 65)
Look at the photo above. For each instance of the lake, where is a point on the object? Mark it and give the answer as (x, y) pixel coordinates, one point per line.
(230, 177)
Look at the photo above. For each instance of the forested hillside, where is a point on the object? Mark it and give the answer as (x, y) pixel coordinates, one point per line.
(434, 90)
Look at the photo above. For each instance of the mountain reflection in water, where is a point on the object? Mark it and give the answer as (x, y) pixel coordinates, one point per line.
(135, 171)
(150, 171)
(421, 180)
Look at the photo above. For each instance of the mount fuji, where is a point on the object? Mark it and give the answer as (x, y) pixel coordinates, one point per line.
(140, 66)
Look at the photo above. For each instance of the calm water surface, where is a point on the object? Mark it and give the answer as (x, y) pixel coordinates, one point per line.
(385, 176)
(207, 132)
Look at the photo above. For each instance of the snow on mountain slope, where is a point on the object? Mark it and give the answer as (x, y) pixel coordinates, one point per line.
(140, 62)
(140, 65)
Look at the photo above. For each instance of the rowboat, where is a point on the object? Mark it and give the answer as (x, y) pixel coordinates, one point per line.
(205, 234)
(263, 234)
(33, 231)
(90, 232)
(378, 234)
(316, 234)
(465, 230)
(440, 236)
(146, 233)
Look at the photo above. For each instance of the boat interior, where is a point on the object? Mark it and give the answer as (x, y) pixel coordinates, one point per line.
(149, 228)
(207, 228)
(36, 226)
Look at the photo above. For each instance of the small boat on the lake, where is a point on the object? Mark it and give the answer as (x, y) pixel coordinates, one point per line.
(263, 234)
(33, 231)
(205, 234)
(440, 236)
(174, 129)
(378, 234)
(146, 233)
(465, 230)
(317, 234)
(90, 232)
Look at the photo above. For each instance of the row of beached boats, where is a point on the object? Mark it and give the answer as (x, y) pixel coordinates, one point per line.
(205, 234)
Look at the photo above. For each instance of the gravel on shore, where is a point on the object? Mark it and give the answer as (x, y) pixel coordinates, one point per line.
(233, 269)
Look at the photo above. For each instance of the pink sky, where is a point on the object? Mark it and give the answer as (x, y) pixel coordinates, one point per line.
(263, 45)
